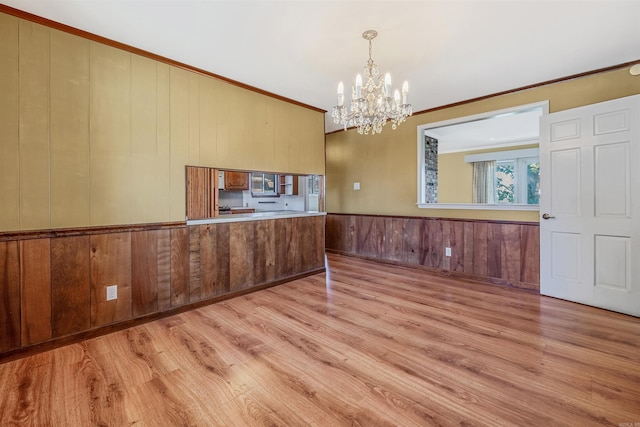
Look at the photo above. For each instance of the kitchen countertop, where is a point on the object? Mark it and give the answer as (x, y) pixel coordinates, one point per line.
(256, 216)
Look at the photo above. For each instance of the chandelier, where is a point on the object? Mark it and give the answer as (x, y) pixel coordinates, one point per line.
(372, 104)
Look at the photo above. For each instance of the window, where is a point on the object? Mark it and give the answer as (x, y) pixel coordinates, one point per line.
(264, 184)
(518, 181)
(506, 177)
(313, 182)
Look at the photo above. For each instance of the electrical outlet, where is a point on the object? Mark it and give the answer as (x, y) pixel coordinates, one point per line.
(112, 292)
(447, 251)
(356, 185)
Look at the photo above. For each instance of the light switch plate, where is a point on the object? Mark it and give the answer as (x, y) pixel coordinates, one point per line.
(447, 251)
(356, 185)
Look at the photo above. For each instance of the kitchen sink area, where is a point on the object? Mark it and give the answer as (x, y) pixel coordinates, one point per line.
(234, 196)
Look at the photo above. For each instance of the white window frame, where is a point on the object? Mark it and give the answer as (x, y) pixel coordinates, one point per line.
(470, 206)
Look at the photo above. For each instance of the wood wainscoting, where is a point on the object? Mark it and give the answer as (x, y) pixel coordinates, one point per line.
(494, 251)
(53, 283)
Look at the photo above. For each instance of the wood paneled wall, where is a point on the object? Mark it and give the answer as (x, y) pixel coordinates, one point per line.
(503, 252)
(54, 287)
(95, 135)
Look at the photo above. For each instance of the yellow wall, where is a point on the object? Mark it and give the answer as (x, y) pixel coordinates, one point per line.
(94, 135)
(386, 164)
(454, 178)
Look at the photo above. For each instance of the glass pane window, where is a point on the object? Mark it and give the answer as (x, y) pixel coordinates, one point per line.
(313, 182)
(506, 181)
(517, 181)
(263, 184)
(269, 180)
(533, 182)
(256, 183)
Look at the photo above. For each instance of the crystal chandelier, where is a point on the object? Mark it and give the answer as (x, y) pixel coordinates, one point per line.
(372, 104)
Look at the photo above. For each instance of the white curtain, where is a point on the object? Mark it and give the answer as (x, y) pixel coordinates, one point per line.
(484, 176)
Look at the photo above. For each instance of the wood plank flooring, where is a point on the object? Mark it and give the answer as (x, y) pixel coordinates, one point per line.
(364, 344)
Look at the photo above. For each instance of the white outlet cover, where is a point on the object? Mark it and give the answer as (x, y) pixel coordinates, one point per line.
(112, 292)
(447, 251)
(356, 185)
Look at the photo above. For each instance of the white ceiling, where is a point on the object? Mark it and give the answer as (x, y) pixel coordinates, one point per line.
(502, 129)
(448, 50)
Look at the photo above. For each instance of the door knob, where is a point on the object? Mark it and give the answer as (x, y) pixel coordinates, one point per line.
(547, 216)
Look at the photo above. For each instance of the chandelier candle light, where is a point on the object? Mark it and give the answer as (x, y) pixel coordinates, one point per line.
(369, 111)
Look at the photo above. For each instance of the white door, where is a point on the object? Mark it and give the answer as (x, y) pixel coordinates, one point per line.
(590, 205)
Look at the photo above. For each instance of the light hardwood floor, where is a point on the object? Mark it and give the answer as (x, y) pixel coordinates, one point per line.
(365, 344)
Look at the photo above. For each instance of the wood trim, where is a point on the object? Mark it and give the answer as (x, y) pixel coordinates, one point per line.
(83, 231)
(492, 221)
(93, 333)
(125, 47)
(519, 89)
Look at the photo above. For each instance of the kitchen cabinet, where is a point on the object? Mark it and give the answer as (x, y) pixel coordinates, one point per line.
(289, 185)
(236, 180)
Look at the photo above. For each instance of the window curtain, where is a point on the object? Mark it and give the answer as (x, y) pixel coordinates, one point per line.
(484, 176)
